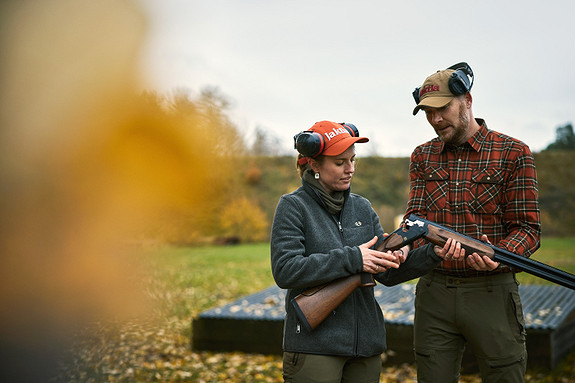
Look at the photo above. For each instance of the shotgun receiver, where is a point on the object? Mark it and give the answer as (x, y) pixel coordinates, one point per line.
(315, 304)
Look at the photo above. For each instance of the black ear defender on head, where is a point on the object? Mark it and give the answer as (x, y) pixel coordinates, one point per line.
(308, 143)
(415, 94)
(351, 128)
(311, 144)
(460, 81)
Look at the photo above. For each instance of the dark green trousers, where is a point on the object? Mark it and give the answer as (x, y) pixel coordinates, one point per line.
(483, 313)
(310, 368)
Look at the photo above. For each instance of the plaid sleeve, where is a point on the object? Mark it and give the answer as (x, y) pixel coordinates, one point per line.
(522, 216)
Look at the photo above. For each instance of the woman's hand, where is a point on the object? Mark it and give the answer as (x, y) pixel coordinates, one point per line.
(482, 263)
(377, 261)
(402, 253)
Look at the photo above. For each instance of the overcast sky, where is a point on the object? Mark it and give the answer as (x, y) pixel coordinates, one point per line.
(286, 64)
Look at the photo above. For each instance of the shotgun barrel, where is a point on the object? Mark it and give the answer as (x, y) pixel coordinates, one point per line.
(438, 235)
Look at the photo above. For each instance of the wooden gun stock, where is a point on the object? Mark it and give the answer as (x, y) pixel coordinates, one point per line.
(315, 304)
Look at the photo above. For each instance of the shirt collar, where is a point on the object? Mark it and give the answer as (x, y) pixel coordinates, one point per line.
(475, 142)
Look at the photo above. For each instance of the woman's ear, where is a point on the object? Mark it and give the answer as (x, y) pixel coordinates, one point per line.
(314, 165)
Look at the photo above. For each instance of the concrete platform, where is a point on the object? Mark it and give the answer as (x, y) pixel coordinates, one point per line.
(254, 324)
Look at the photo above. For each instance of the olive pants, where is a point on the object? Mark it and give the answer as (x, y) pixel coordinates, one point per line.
(484, 313)
(310, 368)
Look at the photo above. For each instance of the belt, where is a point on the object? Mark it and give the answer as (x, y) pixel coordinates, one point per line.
(481, 281)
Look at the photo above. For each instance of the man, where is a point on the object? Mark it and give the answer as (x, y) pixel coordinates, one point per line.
(483, 184)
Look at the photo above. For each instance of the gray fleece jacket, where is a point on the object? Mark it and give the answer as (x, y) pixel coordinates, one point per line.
(309, 247)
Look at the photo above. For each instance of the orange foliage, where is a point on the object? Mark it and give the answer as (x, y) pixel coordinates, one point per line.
(245, 220)
(85, 169)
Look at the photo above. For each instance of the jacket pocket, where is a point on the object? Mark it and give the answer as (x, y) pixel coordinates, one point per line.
(436, 188)
(487, 190)
(360, 229)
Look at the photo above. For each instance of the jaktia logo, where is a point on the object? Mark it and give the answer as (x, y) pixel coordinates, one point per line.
(334, 133)
(428, 88)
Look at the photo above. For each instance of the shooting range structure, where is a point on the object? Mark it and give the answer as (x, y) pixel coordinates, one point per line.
(254, 324)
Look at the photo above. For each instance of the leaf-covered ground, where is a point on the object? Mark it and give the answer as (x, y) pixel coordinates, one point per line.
(148, 352)
(183, 283)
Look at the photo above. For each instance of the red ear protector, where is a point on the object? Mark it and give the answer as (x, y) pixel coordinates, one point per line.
(459, 83)
(311, 144)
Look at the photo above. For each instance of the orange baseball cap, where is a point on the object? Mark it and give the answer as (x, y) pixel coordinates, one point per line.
(336, 137)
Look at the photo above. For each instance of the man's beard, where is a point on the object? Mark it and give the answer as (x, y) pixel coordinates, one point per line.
(459, 135)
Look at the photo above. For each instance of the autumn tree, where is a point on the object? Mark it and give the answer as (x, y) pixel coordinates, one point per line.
(245, 220)
(218, 173)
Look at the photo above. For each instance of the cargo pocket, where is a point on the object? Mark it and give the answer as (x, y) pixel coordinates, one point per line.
(517, 321)
(292, 364)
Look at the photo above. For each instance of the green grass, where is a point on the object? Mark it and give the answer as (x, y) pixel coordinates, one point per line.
(186, 281)
(555, 252)
(211, 275)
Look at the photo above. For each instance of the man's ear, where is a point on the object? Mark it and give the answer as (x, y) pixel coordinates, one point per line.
(468, 100)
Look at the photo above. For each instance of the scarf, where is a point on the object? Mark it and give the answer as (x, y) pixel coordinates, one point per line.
(333, 203)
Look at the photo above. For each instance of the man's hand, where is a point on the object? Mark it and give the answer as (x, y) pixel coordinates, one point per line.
(452, 250)
(482, 263)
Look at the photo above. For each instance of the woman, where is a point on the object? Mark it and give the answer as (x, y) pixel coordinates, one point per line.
(322, 232)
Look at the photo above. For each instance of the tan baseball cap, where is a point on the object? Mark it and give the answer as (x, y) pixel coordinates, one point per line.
(435, 91)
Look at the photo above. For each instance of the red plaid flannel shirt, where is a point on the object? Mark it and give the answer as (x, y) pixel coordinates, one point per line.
(487, 186)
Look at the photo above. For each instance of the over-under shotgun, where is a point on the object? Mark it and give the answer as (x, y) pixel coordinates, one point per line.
(315, 304)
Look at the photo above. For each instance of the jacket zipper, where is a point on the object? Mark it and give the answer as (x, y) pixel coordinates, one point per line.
(356, 324)
(356, 338)
(340, 229)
